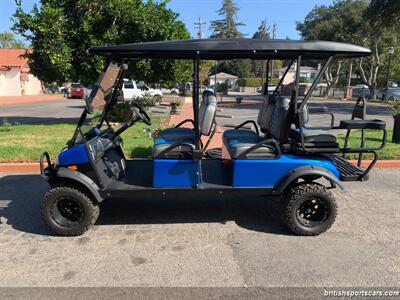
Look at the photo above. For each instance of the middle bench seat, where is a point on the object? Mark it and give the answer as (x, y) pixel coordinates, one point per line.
(274, 125)
(264, 115)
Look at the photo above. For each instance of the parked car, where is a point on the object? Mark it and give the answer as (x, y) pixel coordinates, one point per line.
(77, 91)
(360, 90)
(392, 93)
(137, 89)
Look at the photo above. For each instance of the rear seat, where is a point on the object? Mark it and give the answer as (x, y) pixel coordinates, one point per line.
(274, 125)
(315, 138)
(184, 138)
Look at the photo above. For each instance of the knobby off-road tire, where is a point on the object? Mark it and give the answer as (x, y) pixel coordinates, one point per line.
(309, 209)
(68, 211)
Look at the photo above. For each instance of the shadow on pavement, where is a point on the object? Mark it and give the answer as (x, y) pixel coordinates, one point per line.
(37, 120)
(21, 196)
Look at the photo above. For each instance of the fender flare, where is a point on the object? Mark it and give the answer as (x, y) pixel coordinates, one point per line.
(304, 171)
(82, 179)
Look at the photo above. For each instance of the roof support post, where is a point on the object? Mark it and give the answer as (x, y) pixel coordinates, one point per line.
(195, 99)
(315, 82)
(295, 91)
(266, 78)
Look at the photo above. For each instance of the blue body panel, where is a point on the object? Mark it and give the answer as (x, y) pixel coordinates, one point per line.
(74, 156)
(174, 173)
(267, 173)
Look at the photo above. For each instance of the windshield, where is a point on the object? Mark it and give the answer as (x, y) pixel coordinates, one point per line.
(103, 87)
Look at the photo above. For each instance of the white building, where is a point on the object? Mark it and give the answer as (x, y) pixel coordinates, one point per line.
(223, 77)
(15, 76)
(307, 72)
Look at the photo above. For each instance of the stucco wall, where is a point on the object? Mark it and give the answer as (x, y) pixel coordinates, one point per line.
(32, 86)
(10, 83)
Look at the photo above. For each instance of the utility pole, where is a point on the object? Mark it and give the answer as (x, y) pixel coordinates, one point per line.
(198, 26)
(274, 29)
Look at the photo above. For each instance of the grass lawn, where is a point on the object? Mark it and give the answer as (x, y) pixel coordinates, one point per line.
(373, 138)
(25, 143)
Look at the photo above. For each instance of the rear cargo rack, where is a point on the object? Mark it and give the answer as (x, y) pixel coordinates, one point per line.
(348, 171)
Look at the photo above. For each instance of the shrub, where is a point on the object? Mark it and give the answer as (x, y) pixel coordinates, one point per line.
(303, 79)
(176, 103)
(223, 87)
(147, 100)
(395, 107)
(5, 125)
(253, 81)
(241, 82)
(121, 112)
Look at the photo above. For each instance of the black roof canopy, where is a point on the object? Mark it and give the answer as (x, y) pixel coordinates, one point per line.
(218, 49)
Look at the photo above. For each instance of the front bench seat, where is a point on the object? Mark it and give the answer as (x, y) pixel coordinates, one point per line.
(182, 151)
(180, 132)
(184, 138)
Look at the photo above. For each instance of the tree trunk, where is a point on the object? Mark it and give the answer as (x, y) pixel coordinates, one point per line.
(372, 91)
(331, 80)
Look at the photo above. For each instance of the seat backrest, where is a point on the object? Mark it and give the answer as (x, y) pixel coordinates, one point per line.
(304, 114)
(207, 112)
(278, 125)
(267, 114)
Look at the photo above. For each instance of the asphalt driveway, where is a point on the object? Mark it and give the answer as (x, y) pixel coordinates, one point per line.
(203, 242)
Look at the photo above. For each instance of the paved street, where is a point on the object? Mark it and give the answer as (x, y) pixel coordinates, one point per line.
(43, 112)
(203, 242)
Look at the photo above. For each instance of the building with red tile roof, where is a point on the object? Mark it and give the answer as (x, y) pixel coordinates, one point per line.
(15, 76)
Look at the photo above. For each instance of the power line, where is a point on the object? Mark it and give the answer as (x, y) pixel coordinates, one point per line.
(198, 26)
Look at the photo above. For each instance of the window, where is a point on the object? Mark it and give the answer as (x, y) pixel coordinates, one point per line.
(141, 86)
(128, 84)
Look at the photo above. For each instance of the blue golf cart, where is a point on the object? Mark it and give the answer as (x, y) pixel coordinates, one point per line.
(282, 156)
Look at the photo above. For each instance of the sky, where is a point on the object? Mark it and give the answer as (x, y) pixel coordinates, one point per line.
(284, 13)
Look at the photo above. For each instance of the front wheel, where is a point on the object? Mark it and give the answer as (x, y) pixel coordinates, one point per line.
(309, 209)
(68, 211)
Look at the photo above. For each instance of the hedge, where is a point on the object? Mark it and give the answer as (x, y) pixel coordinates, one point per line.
(254, 81)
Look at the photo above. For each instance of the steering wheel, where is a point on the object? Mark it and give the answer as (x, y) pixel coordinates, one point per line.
(141, 113)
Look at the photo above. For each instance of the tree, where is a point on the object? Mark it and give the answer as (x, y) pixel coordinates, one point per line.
(262, 31)
(385, 12)
(263, 34)
(8, 40)
(61, 31)
(348, 21)
(227, 27)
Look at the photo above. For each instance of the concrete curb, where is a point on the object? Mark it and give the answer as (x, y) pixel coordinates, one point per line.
(20, 168)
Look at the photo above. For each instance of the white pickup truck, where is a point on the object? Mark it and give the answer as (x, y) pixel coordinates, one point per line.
(136, 89)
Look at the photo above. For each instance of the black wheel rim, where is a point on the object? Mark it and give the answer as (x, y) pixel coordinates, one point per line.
(67, 212)
(312, 212)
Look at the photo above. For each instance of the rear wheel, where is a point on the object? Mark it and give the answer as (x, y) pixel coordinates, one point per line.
(309, 209)
(68, 211)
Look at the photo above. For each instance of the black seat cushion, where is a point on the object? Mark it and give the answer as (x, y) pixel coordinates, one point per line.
(313, 136)
(183, 151)
(237, 146)
(234, 134)
(176, 133)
